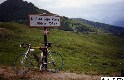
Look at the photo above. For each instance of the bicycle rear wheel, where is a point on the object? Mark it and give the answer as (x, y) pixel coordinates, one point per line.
(22, 64)
(54, 61)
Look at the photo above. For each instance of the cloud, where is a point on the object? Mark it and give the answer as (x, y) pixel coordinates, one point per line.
(69, 3)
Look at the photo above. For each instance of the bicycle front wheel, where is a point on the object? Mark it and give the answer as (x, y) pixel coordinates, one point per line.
(22, 64)
(54, 61)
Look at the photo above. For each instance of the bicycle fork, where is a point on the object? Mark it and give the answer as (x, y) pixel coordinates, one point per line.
(24, 59)
(53, 61)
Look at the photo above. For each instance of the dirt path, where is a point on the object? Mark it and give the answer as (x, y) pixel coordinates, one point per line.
(6, 73)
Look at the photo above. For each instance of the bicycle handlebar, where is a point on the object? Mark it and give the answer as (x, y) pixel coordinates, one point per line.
(29, 45)
(25, 45)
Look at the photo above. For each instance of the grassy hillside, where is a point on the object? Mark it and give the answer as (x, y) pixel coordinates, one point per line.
(88, 53)
(115, 30)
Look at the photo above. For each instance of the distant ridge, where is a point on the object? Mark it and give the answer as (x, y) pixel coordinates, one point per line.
(108, 28)
(18, 10)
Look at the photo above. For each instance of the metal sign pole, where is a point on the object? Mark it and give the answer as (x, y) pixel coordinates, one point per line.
(45, 45)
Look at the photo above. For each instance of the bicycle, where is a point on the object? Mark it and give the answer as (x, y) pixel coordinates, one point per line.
(29, 60)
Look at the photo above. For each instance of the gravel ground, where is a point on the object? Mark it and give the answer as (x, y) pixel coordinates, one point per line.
(6, 73)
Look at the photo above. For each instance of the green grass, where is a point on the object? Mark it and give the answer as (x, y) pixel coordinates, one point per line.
(89, 53)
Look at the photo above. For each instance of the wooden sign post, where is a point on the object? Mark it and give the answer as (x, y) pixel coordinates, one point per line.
(44, 21)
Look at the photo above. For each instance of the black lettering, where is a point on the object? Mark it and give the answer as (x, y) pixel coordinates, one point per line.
(52, 18)
(44, 23)
(40, 19)
(103, 79)
(119, 79)
(47, 19)
(31, 18)
(54, 24)
(50, 23)
(55, 20)
(39, 23)
(113, 78)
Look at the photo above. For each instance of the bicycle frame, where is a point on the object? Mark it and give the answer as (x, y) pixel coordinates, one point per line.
(35, 56)
(26, 53)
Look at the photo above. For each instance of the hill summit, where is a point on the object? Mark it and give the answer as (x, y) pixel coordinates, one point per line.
(13, 10)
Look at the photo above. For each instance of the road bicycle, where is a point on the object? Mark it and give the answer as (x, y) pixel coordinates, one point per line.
(28, 61)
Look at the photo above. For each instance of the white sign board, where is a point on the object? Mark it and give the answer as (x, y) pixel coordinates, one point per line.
(44, 21)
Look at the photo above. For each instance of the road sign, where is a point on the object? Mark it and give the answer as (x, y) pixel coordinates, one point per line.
(41, 20)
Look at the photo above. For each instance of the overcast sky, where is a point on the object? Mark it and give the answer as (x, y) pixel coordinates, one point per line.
(106, 11)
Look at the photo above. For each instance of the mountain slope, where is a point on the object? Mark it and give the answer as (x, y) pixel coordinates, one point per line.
(119, 31)
(15, 10)
(89, 53)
